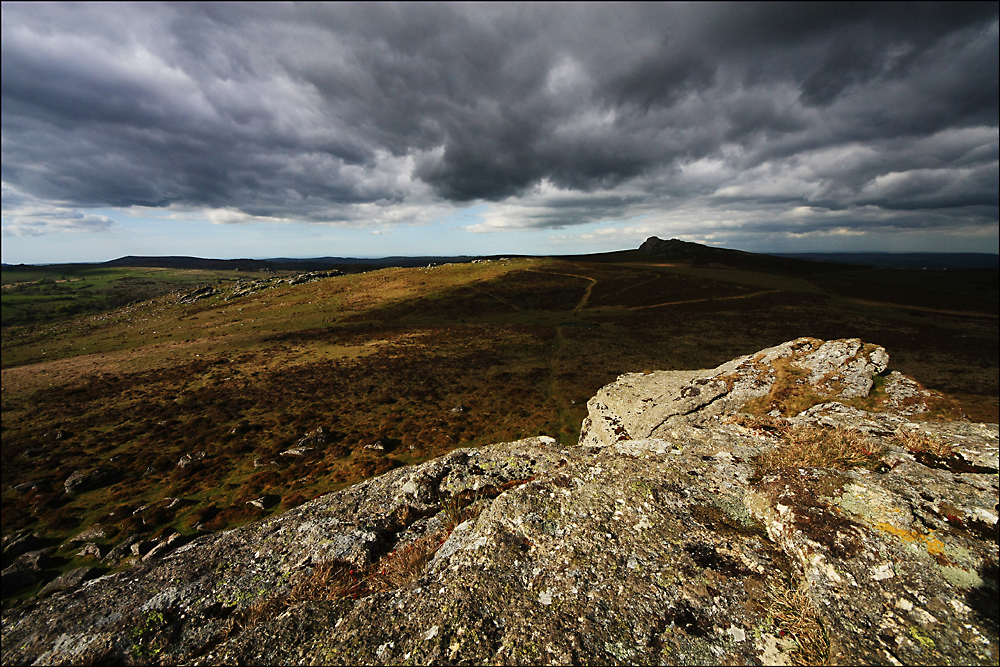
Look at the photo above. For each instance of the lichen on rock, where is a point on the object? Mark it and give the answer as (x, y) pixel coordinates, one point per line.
(668, 535)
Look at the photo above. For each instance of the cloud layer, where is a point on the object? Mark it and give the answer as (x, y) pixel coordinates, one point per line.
(556, 115)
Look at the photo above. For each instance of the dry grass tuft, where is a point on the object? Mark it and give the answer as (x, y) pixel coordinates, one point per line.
(403, 566)
(821, 447)
(916, 442)
(331, 581)
(796, 618)
(325, 582)
(760, 422)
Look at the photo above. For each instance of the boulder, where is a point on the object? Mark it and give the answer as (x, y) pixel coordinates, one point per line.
(19, 543)
(162, 547)
(314, 438)
(122, 550)
(191, 459)
(674, 532)
(142, 547)
(297, 451)
(85, 480)
(641, 405)
(93, 533)
(90, 550)
(33, 560)
(67, 581)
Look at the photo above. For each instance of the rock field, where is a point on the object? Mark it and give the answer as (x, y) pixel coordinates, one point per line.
(669, 535)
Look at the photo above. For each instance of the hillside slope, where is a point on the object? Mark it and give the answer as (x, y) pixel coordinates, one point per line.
(246, 396)
(680, 529)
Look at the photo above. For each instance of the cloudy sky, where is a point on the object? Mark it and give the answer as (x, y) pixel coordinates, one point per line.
(368, 130)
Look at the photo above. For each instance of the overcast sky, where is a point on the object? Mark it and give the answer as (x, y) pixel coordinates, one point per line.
(366, 130)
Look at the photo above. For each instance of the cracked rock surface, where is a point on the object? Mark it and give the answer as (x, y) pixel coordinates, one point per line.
(656, 540)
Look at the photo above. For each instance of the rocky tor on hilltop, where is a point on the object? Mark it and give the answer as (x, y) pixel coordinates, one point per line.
(791, 506)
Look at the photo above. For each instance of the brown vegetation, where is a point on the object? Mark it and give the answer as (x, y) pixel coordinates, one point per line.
(810, 446)
(796, 620)
(384, 357)
(916, 443)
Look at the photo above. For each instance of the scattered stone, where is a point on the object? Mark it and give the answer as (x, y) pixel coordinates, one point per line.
(258, 503)
(378, 446)
(261, 463)
(458, 408)
(189, 460)
(92, 533)
(67, 581)
(297, 451)
(85, 480)
(123, 549)
(315, 438)
(249, 287)
(32, 560)
(197, 295)
(90, 550)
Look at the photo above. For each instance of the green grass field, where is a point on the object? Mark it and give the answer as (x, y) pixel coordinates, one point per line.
(45, 294)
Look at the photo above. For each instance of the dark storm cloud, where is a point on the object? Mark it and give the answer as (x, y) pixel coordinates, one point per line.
(305, 112)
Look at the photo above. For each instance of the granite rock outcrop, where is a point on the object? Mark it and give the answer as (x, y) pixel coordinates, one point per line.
(667, 535)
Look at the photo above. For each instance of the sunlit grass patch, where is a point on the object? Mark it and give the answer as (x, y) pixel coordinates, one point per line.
(811, 446)
(822, 447)
(790, 394)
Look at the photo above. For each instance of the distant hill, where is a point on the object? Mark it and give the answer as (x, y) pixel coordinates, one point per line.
(279, 263)
(652, 249)
(701, 255)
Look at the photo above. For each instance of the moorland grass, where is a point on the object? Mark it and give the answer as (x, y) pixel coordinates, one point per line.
(387, 355)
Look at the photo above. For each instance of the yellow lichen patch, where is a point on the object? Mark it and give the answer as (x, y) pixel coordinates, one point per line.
(922, 638)
(934, 546)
